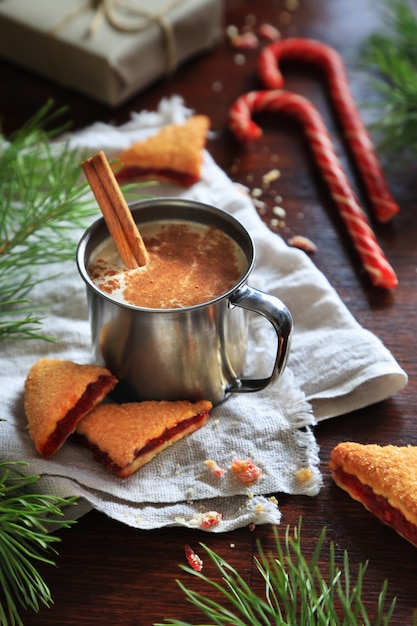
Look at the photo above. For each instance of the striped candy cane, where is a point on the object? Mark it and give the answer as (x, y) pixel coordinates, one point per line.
(373, 259)
(355, 132)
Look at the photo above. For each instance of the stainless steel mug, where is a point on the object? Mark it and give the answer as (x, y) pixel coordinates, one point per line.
(189, 353)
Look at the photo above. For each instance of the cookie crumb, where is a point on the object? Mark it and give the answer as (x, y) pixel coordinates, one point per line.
(214, 468)
(193, 559)
(245, 471)
(304, 474)
(210, 519)
(271, 176)
(302, 243)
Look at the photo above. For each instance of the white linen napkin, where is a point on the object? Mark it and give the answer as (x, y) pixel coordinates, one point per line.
(335, 366)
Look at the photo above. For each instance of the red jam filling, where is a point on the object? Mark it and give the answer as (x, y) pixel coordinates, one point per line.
(152, 444)
(128, 174)
(378, 505)
(68, 423)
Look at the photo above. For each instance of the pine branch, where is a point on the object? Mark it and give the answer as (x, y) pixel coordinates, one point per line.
(296, 591)
(44, 198)
(392, 54)
(25, 541)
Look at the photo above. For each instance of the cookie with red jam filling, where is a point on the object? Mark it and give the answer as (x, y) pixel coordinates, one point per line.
(383, 479)
(123, 437)
(58, 394)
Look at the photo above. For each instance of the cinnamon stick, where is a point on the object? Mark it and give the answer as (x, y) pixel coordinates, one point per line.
(116, 213)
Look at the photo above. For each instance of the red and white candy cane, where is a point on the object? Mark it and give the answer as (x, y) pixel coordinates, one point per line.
(240, 119)
(350, 119)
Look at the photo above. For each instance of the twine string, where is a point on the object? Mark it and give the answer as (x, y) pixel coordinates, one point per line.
(109, 10)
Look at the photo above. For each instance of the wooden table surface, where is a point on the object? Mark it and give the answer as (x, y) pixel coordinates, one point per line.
(109, 573)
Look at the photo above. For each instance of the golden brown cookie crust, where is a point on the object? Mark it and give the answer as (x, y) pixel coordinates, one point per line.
(390, 471)
(53, 388)
(176, 148)
(120, 431)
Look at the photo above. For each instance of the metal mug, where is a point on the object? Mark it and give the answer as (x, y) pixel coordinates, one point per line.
(189, 353)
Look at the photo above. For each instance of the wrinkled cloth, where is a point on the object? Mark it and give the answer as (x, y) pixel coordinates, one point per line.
(335, 366)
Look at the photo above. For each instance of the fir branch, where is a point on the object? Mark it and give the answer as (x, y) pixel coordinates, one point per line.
(296, 591)
(393, 55)
(44, 198)
(25, 541)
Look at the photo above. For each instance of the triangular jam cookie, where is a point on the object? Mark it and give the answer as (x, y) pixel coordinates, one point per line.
(123, 437)
(383, 479)
(173, 155)
(57, 396)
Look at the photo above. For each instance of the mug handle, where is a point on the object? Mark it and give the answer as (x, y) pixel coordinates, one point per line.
(275, 311)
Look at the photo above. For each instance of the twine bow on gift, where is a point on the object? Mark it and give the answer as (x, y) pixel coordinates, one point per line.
(119, 14)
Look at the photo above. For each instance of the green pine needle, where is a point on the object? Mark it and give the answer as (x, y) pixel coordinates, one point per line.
(25, 541)
(295, 590)
(44, 198)
(393, 55)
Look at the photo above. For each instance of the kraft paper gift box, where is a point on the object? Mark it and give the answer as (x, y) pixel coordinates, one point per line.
(107, 49)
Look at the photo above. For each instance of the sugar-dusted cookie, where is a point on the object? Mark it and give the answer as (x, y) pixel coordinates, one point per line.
(58, 394)
(126, 436)
(383, 479)
(174, 154)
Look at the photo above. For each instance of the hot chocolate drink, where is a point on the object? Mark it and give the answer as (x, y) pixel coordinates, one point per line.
(160, 346)
(189, 263)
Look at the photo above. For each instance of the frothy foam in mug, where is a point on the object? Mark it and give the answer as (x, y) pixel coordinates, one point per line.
(189, 263)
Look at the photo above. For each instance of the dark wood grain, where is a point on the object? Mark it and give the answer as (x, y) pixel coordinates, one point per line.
(109, 573)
